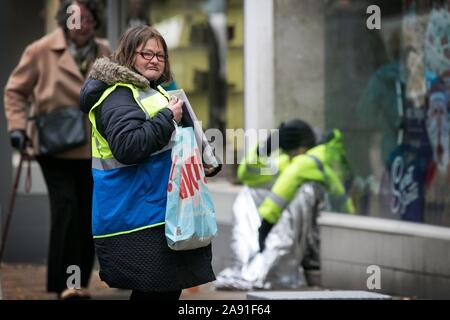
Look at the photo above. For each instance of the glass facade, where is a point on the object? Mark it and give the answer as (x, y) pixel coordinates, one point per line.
(205, 40)
(388, 89)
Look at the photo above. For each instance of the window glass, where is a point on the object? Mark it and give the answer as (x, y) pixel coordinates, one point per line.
(397, 82)
(206, 54)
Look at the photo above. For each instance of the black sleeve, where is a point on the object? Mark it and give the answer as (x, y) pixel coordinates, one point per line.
(131, 135)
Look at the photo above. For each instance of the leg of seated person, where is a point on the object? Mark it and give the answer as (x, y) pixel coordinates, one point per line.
(289, 241)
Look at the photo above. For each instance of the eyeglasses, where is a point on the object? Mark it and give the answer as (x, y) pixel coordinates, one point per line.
(148, 55)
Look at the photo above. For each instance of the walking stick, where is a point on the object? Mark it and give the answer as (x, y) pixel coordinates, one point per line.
(12, 199)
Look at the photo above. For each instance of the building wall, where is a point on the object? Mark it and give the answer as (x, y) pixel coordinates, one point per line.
(299, 61)
(16, 17)
(413, 259)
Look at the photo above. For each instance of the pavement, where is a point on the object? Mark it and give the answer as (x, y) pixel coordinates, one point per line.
(28, 282)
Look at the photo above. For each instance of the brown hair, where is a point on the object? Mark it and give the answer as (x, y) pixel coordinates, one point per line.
(131, 40)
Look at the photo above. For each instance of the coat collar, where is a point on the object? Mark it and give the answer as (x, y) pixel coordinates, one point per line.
(66, 62)
(58, 40)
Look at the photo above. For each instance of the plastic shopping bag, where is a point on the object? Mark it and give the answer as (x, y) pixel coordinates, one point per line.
(190, 214)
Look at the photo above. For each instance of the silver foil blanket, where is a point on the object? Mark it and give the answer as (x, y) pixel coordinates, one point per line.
(291, 244)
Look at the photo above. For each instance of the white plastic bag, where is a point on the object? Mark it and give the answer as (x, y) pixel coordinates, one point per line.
(190, 215)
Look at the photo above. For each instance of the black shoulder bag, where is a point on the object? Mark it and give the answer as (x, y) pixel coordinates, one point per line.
(61, 130)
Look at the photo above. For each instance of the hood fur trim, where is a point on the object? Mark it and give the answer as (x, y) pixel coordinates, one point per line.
(111, 73)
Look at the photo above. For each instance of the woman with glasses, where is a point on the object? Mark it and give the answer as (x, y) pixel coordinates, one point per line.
(133, 119)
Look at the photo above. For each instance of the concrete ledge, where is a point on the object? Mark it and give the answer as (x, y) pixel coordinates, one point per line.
(316, 295)
(223, 193)
(413, 258)
(384, 225)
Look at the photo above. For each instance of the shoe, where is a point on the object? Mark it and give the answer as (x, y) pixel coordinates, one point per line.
(75, 294)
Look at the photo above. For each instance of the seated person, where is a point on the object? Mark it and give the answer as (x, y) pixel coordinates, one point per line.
(275, 234)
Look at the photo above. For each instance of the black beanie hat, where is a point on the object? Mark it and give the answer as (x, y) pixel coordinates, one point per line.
(296, 133)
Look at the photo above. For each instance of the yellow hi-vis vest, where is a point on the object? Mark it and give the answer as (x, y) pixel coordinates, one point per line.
(128, 198)
(150, 101)
(316, 165)
(261, 172)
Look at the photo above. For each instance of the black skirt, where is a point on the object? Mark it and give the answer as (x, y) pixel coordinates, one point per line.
(142, 261)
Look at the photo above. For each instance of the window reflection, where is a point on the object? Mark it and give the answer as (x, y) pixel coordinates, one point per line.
(404, 105)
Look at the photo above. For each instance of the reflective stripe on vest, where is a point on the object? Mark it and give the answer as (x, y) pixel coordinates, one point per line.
(318, 163)
(279, 201)
(112, 163)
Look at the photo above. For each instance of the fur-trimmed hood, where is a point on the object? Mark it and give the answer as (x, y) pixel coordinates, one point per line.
(111, 73)
(105, 73)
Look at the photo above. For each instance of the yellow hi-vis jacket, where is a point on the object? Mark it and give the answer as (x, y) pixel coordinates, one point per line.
(261, 172)
(319, 164)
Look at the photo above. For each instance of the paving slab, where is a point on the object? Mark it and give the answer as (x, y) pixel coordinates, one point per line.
(28, 282)
(317, 295)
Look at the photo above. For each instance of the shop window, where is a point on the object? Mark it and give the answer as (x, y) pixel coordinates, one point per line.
(205, 45)
(389, 90)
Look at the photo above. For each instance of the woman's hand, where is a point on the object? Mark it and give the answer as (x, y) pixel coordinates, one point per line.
(211, 171)
(208, 169)
(176, 106)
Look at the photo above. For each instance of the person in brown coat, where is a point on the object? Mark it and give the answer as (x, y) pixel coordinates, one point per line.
(49, 77)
